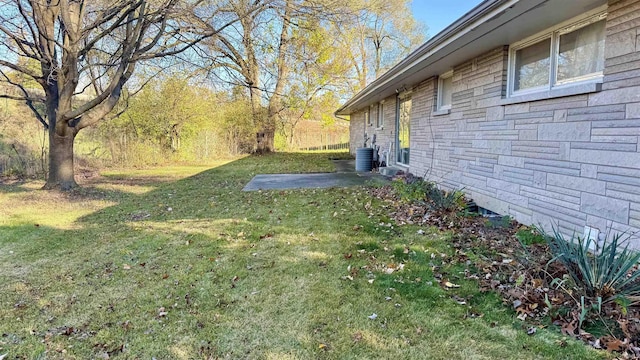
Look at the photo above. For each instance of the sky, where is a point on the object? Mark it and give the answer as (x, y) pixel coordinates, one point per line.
(438, 14)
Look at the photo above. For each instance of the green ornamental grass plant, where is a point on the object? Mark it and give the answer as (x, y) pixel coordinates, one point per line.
(609, 274)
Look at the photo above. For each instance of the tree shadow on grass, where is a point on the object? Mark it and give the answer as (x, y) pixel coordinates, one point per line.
(196, 240)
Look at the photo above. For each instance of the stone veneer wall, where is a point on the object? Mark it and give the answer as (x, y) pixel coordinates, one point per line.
(570, 161)
(356, 131)
(384, 135)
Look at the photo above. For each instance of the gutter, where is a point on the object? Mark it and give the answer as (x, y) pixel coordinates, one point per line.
(440, 40)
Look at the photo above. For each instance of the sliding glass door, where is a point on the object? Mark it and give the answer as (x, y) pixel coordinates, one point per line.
(403, 127)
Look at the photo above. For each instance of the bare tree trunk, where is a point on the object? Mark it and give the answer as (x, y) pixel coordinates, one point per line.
(61, 162)
(61, 137)
(266, 137)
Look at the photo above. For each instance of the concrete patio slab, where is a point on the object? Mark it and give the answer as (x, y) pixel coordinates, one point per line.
(344, 177)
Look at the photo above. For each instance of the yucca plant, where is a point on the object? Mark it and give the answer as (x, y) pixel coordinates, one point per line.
(610, 273)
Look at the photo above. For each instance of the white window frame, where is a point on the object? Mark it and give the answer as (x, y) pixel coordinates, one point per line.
(554, 34)
(441, 78)
(380, 116)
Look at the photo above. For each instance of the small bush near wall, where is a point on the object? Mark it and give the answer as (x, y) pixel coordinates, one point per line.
(414, 189)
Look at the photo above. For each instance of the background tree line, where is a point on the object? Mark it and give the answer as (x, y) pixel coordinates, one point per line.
(168, 80)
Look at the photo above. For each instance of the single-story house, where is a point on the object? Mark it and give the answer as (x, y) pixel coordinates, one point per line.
(531, 106)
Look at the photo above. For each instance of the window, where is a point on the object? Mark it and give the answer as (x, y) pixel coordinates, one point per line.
(380, 118)
(367, 116)
(560, 56)
(445, 91)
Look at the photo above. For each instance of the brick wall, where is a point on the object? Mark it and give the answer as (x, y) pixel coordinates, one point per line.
(571, 161)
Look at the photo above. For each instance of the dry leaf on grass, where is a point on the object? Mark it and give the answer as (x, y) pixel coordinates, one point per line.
(357, 337)
(449, 285)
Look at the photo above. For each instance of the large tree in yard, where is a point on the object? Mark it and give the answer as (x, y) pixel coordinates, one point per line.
(256, 46)
(85, 52)
(290, 53)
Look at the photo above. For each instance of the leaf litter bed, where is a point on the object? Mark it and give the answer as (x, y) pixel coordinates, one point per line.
(525, 275)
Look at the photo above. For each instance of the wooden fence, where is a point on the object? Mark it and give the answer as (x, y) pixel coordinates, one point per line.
(341, 146)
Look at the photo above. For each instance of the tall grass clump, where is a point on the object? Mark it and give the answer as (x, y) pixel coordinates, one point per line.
(415, 189)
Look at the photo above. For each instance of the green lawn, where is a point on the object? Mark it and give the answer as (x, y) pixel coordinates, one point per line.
(179, 263)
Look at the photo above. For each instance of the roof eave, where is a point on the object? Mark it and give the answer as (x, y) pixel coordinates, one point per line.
(483, 9)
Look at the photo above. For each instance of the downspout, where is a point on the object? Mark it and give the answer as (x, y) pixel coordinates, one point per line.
(397, 129)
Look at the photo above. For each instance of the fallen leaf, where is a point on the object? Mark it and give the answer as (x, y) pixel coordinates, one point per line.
(569, 329)
(20, 305)
(613, 344)
(536, 283)
(624, 326)
(373, 316)
(563, 342)
(126, 267)
(450, 285)
(357, 337)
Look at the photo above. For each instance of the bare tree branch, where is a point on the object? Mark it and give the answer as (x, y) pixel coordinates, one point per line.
(24, 97)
